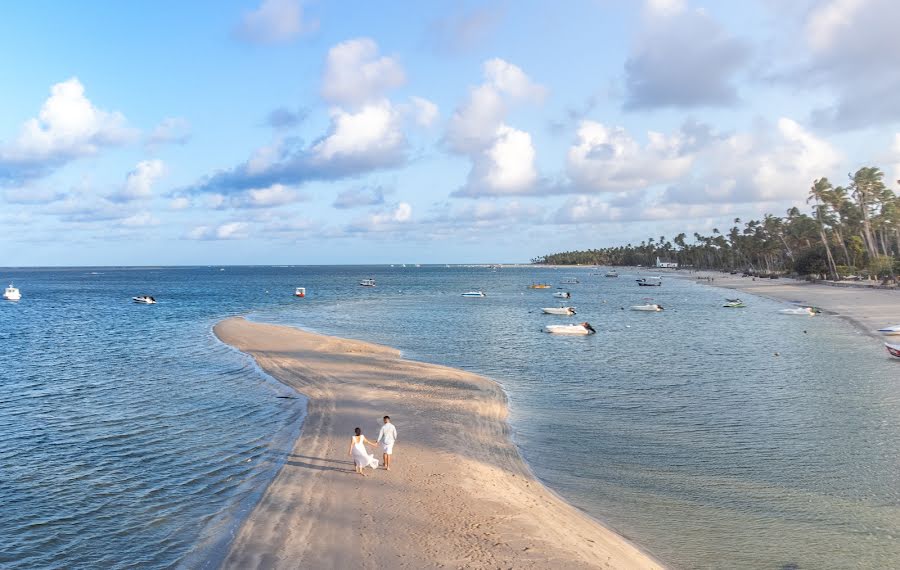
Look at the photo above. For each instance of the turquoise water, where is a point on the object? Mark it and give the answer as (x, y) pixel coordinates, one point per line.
(714, 438)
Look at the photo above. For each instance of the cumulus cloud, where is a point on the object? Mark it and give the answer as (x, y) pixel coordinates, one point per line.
(355, 73)
(423, 111)
(274, 21)
(601, 210)
(226, 231)
(172, 130)
(503, 157)
(683, 58)
(366, 133)
(852, 51)
(68, 126)
(139, 182)
(389, 219)
(357, 197)
(607, 159)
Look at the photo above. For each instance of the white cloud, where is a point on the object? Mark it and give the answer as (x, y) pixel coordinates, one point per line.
(139, 220)
(605, 159)
(273, 22)
(68, 126)
(387, 220)
(355, 73)
(829, 22)
(372, 134)
(226, 231)
(139, 182)
(274, 195)
(503, 157)
(598, 210)
(424, 112)
(180, 203)
(172, 130)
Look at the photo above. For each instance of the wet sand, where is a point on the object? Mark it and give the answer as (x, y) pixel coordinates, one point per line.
(458, 494)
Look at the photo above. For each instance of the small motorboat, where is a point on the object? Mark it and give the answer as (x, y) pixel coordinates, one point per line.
(475, 294)
(562, 295)
(367, 283)
(570, 281)
(11, 293)
(579, 329)
(650, 282)
(300, 292)
(803, 311)
(649, 308)
(565, 311)
(612, 273)
(734, 304)
(890, 331)
(144, 300)
(539, 286)
(893, 349)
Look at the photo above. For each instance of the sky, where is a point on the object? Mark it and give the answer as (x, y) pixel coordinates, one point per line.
(321, 132)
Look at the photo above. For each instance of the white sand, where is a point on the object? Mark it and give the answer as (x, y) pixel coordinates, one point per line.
(458, 494)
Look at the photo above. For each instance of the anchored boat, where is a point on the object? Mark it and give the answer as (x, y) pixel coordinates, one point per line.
(476, 294)
(890, 331)
(367, 283)
(802, 311)
(650, 308)
(539, 286)
(579, 329)
(11, 293)
(300, 292)
(562, 295)
(565, 311)
(144, 300)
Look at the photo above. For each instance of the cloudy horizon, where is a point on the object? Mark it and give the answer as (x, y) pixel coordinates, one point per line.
(306, 132)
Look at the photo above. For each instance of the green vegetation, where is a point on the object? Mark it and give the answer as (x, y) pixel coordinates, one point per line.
(851, 231)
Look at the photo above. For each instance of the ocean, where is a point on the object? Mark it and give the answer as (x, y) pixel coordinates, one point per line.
(713, 438)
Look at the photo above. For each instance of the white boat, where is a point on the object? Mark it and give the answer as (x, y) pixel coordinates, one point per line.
(650, 282)
(805, 311)
(300, 292)
(579, 329)
(734, 304)
(567, 311)
(562, 295)
(570, 281)
(650, 308)
(890, 331)
(612, 273)
(474, 294)
(11, 293)
(144, 300)
(367, 283)
(893, 349)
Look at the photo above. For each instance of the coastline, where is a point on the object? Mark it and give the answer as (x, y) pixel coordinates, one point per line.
(868, 309)
(459, 494)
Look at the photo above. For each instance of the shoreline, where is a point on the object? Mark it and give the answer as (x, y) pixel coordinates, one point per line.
(459, 494)
(867, 309)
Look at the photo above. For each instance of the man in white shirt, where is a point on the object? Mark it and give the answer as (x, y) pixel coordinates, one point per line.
(386, 437)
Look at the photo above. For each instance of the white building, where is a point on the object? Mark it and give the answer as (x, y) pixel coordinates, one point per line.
(666, 264)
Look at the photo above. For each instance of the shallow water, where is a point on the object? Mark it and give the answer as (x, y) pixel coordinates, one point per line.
(681, 429)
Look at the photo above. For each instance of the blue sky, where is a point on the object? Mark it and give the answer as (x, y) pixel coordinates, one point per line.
(281, 131)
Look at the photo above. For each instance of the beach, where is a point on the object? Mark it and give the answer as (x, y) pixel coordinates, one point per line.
(868, 308)
(458, 494)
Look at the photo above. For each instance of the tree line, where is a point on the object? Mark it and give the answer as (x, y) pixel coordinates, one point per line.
(851, 230)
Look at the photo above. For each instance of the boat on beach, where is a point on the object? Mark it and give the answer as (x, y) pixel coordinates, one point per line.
(579, 329)
(893, 349)
(144, 300)
(565, 311)
(649, 308)
(474, 294)
(300, 292)
(539, 286)
(890, 331)
(562, 295)
(802, 311)
(11, 293)
(367, 283)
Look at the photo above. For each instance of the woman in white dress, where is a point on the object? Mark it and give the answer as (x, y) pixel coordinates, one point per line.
(361, 456)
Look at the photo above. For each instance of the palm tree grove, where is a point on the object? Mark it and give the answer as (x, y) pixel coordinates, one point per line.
(852, 231)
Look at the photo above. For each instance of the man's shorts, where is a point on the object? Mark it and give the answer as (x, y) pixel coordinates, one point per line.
(387, 448)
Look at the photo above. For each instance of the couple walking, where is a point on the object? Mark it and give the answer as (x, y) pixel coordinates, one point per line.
(361, 456)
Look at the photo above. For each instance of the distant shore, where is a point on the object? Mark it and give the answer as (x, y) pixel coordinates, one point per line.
(458, 495)
(868, 308)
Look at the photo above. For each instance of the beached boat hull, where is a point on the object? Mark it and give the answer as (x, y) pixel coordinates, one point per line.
(893, 349)
(890, 331)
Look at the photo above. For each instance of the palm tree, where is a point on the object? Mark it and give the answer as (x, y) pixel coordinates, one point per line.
(867, 186)
(817, 193)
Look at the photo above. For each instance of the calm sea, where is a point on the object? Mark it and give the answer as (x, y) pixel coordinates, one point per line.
(714, 438)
